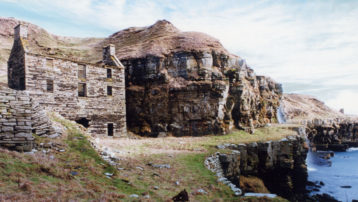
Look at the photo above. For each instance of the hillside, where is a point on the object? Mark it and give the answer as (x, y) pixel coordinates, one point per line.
(160, 39)
(298, 107)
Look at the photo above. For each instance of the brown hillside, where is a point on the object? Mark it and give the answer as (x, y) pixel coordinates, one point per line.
(298, 107)
(160, 39)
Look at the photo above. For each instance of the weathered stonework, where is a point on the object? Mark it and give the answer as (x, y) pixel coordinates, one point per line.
(20, 117)
(92, 94)
(15, 121)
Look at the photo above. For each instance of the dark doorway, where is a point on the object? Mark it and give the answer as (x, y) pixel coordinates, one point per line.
(110, 129)
(83, 121)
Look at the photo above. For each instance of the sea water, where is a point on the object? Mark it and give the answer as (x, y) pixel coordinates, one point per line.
(337, 172)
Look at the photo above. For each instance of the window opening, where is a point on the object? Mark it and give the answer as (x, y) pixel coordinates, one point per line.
(82, 92)
(110, 129)
(109, 90)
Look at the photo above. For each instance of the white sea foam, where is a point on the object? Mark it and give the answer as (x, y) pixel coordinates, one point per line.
(311, 169)
(260, 195)
(352, 149)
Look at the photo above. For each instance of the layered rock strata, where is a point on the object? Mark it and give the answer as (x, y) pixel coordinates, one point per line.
(197, 91)
(280, 164)
(336, 135)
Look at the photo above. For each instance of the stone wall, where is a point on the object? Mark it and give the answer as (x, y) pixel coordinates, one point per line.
(197, 93)
(280, 164)
(97, 107)
(15, 121)
(20, 118)
(16, 66)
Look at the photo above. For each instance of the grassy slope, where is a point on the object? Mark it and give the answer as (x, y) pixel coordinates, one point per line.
(39, 176)
(48, 176)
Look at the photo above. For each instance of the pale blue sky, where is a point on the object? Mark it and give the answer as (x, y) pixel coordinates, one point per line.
(309, 46)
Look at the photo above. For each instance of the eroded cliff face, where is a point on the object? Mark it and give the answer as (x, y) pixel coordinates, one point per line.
(326, 128)
(337, 135)
(280, 164)
(196, 92)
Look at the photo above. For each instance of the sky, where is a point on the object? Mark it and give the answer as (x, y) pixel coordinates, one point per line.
(311, 47)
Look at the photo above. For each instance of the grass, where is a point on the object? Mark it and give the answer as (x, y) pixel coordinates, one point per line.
(150, 146)
(252, 184)
(186, 156)
(78, 173)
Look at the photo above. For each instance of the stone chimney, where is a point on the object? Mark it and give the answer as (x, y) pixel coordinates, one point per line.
(108, 53)
(20, 31)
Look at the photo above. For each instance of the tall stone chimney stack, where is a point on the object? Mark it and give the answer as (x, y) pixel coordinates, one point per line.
(108, 53)
(20, 31)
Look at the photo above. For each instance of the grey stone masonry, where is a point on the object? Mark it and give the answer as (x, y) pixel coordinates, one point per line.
(20, 118)
(90, 94)
(15, 120)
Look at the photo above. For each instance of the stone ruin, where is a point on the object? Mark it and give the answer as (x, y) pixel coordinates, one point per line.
(90, 94)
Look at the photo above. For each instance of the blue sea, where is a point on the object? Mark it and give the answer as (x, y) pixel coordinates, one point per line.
(340, 170)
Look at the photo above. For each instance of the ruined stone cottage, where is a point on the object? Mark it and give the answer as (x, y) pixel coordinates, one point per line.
(90, 94)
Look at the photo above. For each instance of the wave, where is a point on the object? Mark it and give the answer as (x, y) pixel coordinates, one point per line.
(352, 149)
(311, 169)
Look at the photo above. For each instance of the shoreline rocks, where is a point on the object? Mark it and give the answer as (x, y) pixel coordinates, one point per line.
(335, 135)
(280, 164)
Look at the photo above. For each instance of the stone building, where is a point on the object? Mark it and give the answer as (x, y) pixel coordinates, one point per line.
(91, 94)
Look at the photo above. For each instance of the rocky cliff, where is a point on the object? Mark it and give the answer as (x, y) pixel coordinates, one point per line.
(326, 128)
(186, 83)
(280, 164)
(336, 135)
(179, 83)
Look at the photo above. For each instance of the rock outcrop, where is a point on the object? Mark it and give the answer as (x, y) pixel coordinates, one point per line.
(280, 164)
(326, 128)
(190, 85)
(336, 135)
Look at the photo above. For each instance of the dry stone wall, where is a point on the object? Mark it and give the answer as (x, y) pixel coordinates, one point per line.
(21, 118)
